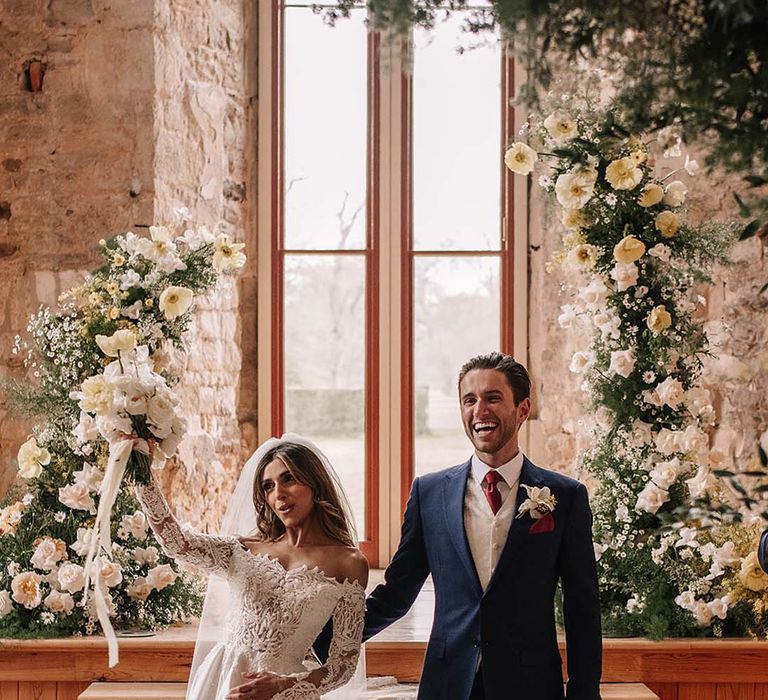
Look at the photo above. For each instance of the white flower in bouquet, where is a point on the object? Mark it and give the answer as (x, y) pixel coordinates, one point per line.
(719, 607)
(129, 280)
(671, 392)
(582, 256)
(568, 317)
(726, 555)
(675, 193)
(6, 605)
(661, 251)
(110, 573)
(160, 249)
(623, 174)
(751, 574)
(48, 553)
(161, 576)
(628, 250)
(135, 524)
(95, 395)
(667, 223)
(561, 126)
(146, 555)
(120, 341)
(574, 190)
(86, 429)
(686, 600)
(114, 426)
(195, 239)
(71, 577)
(83, 542)
(625, 275)
(702, 483)
(32, 458)
(138, 589)
(702, 613)
(520, 158)
(608, 323)
(90, 474)
(175, 301)
(642, 432)
(59, 602)
(582, 361)
(659, 319)
(26, 590)
(622, 362)
(698, 400)
(77, 496)
(133, 311)
(650, 195)
(161, 411)
(651, 498)
(169, 444)
(664, 474)
(691, 166)
(227, 255)
(594, 294)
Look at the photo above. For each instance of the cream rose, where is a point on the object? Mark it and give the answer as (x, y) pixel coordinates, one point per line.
(622, 362)
(161, 410)
(83, 542)
(520, 158)
(582, 361)
(175, 301)
(136, 524)
(561, 127)
(108, 571)
(26, 589)
(32, 458)
(675, 193)
(659, 319)
(161, 576)
(623, 174)
(650, 195)
(71, 577)
(594, 294)
(625, 275)
(139, 589)
(574, 190)
(651, 498)
(628, 250)
(671, 392)
(751, 574)
(95, 395)
(6, 605)
(667, 223)
(77, 496)
(48, 553)
(59, 602)
(145, 556)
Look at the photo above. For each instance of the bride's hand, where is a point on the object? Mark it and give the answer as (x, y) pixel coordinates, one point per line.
(261, 686)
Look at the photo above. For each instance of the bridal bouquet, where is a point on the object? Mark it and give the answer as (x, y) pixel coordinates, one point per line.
(634, 262)
(104, 384)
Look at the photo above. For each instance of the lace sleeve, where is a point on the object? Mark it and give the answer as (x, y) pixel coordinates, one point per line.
(348, 619)
(212, 554)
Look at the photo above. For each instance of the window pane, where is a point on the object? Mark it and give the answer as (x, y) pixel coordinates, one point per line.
(456, 317)
(456, 141)
(325, 363)
(325, 131)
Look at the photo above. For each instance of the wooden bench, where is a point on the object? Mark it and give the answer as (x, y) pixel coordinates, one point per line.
(176, 691)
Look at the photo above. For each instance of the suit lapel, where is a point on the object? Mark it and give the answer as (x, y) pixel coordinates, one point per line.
(454, 486)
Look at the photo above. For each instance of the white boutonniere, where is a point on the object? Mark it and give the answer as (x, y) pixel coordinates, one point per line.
(540, 502)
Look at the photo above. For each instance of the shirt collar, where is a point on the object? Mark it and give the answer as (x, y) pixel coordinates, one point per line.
(510, 471)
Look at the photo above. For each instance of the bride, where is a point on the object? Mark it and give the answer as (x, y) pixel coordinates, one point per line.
(285, 562)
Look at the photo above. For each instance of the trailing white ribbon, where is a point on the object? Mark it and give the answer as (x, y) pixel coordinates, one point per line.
(119, 454)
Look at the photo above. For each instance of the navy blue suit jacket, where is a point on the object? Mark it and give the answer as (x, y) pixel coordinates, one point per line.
(512, 623)
(762, 550)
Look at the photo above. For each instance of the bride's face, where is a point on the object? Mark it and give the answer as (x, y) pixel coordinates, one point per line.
(291, 500)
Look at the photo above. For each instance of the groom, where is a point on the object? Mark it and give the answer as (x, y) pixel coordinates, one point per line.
(497, 533)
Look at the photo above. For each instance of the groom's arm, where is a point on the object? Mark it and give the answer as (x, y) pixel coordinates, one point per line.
(581, 602)
(405, 574)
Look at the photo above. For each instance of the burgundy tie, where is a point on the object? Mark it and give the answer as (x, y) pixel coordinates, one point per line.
(490, 480)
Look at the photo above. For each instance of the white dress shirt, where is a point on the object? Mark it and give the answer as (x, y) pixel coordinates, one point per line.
(486, 532)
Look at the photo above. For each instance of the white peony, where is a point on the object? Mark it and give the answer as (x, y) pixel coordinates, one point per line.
(175, 301)
(625, 275)
(95, 395)
(582, 361)
(561, 127)
(622, 362)
(71, 577)
(26, 589)
(59, 602)
(574, 190)
(77, 496)
(520, 158)
(32, 458)
(161, 576)
(675, 193)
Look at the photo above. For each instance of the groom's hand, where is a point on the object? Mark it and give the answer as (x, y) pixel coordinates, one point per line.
(261, 686)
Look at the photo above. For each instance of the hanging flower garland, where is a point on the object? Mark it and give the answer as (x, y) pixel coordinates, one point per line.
(99, 362)
(638, 262)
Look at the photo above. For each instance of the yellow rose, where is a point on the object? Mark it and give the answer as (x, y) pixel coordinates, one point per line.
(623, 174)
(659, 319)
(651, 194)
(520, 158)
(175, 301)
(667, 223)
(628, 249)
(751, 574)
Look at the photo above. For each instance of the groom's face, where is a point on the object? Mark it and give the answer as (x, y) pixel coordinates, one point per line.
(490, 415)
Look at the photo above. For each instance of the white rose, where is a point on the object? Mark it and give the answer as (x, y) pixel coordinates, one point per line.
(32, 458)
(574, 190)
(161, 410)
(703, 482)
(108, 571)
(622, 362)
(674, 194)
(651, 498)
(594, 294)
(86, 430)
(695, 441)
(671, 392)
(582, 361)
(136, 524)
(668, 441)
(72, 577)
(95, 395)
(625, 275)
(664, 475)
(561, 127)
(686, 600)
(161, 576)
(661, 251)
(26, 589)
(145, 556)
(520, 158)
(139, 589)
(6, 605)
(135, 401)
(642, 432)
(48, 553)
(77, 496)
(175, 301)
(81, 546)
(59, 602)
(169, 444)
(608, 323)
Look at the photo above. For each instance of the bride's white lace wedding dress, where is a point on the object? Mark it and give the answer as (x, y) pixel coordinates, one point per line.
(275, 614)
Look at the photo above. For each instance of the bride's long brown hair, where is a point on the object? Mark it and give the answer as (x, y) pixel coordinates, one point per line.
(309, 470)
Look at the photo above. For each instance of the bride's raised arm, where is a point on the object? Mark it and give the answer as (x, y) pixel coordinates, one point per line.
(210, 553)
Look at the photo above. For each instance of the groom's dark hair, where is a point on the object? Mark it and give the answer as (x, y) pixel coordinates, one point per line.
(516, 374)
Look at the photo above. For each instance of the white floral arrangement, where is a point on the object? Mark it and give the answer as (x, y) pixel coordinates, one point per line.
(636, 262)
(101, 380)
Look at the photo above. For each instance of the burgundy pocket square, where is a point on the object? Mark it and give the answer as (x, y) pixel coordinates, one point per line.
(545, 524)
